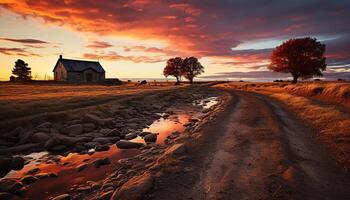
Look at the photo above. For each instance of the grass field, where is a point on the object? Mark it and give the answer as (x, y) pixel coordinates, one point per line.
(23, 100)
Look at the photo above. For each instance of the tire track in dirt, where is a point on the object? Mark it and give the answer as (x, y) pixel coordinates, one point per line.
(262, 152)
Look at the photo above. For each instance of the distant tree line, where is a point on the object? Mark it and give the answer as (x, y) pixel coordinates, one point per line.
(189, 68)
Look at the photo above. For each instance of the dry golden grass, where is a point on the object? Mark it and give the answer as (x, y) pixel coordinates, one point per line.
(333, 92)
(32, 92)
(333, 125)
(20, 100)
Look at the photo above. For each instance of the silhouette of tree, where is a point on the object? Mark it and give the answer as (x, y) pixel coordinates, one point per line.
(174, 68)
(303, 57)
(191, 68)
(22, 71)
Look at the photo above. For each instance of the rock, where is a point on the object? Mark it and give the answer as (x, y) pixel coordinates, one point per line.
(5, 196)
(53, 175)
(91, 145)
(24, 137)
(143, 134)
(194, 120)
(93, 119)
(19, 148)
(40, 137)
(42, 175)
(33, 171)
(110, 132)
(174, 135)
(51, 143)
(206, 110)
(101, 161)
(83, 188)
(63, 197)
(10, 185)
(81, 167)
(135, 188)
(114, 139)
(5, 163)
(150, 138)
(177, 149)
(106, 195)
(107, 185)
(14, 133)
(28, 179)
(101, 140)
(75, 129)
(130, 136)
(128, 145)
(67, 140)
(44, 127)
(105, 131)
(102, 148)
(87, 127)
(17, 163)
(59, 147)
(132, 125)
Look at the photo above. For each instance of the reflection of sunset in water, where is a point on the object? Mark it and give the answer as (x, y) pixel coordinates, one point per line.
(66, 167)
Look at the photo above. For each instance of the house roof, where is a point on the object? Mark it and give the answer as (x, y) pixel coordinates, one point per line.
(80, 65)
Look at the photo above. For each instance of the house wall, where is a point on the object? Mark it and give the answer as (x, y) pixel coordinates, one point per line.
(96, 77)
(60, 73)
(75, 77)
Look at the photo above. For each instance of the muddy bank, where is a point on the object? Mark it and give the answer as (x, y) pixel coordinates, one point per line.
(134, 177)
(91, 143)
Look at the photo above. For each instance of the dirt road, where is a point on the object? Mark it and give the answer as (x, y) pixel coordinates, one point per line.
(255, 149)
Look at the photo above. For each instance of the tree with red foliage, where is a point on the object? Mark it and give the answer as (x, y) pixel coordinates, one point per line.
(192, 68)
(302, 57)
(174, 68)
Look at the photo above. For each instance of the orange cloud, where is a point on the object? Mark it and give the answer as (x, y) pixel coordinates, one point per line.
(114, 56)
(98, 45)
(16, 51)
(203, 28)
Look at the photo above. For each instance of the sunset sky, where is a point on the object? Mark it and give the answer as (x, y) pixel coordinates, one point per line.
(134, 38)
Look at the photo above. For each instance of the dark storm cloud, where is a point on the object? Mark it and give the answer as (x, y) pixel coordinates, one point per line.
(25, 41)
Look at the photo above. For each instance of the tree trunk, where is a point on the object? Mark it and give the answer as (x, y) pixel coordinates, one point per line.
(177, 79)
(191, 80)
(295, 79)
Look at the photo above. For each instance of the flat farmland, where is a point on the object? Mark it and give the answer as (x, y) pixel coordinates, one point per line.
(19, 100)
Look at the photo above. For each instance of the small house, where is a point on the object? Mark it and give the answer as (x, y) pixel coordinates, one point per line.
(79, 71)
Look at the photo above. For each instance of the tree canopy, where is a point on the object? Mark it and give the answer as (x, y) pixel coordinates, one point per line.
(174, 68)
(192, 68)
(302, 57)
(22, 71)
(178, 67)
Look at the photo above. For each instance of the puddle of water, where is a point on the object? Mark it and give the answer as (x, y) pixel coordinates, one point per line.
(66, 167)
(165, 127)
(207, 102)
